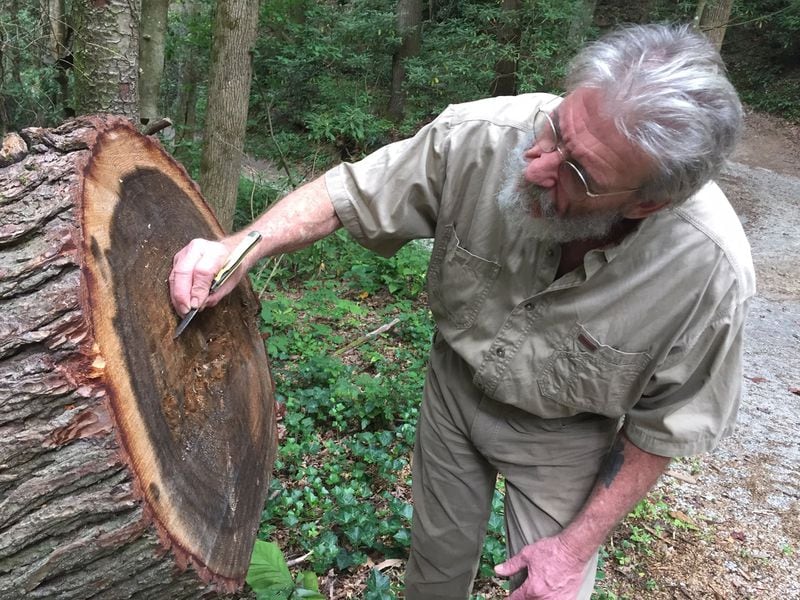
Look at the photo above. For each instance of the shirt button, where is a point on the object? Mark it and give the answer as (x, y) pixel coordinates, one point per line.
(550, 253)
(500, 352)
(529, 306)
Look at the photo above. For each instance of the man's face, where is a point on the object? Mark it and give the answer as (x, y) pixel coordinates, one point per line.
(537, 181)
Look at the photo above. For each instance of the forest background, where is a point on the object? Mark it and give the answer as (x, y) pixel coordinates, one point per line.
(265, 95)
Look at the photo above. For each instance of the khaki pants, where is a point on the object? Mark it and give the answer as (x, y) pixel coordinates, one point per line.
(463, 441)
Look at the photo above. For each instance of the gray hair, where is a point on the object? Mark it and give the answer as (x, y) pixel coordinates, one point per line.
(666, 88)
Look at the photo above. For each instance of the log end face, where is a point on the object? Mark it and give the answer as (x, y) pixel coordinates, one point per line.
(196, 414)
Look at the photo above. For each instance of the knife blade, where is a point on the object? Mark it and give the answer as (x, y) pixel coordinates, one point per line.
(235, 258)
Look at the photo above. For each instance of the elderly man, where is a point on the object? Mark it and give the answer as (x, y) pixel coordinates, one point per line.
(589, 285)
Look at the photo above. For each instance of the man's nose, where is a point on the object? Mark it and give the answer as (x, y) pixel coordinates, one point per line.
(542, 168)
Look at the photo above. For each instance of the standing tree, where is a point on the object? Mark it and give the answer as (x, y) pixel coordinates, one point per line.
(583, 18)
(712, 17)
(186, 64)
(106, 56)
(508, 35)
(10, 77)
(235, 23)
(609, 13)
(57, 38)
(409, 28)
(151, 56)
(3, 112)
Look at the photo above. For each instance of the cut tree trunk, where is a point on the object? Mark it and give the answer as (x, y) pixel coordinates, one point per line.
(132, 465)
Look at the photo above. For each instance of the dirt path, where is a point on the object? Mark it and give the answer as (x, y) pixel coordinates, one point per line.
(744, 499)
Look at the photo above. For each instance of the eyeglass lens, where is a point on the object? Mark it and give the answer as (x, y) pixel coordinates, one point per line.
(546, 138)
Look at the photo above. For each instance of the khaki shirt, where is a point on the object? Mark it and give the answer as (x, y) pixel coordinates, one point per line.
(649, 329)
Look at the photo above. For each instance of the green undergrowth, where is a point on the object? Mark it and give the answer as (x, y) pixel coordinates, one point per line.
(341, 483)
(636, 542)
(341, 487)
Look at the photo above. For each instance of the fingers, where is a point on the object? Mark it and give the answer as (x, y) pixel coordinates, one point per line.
(193, 268)
(512, 566)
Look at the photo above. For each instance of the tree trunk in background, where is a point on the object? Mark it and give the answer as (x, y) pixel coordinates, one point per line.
(610, 13)
(152, 34)
(186, 116)
(106, 56)
(3, 112)
(57, 53)
(581, 22)
(409, 27)
(508, 34)
(13, 54)
(54, 27)
(185, 109)
(235, 23)
(712, 17)
(132, 465)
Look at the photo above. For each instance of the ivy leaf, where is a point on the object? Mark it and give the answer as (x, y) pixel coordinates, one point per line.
(307, 594)
(378, 587)
(275, 592)
(307, 580)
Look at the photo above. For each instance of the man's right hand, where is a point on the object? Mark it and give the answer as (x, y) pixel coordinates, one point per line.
(194, 267)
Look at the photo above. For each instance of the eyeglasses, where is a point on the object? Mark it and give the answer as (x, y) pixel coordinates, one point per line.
(570, 175)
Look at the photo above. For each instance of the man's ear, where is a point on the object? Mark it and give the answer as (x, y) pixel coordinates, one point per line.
(641, 210)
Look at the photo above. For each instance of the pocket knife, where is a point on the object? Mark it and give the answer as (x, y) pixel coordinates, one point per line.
(234, 260)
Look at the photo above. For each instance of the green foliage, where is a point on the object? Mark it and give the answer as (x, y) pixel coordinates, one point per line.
(320, 71)
(254, 196)
(494, 546)
(761, 54)
(270, 578)
(635, 539)
(28, 86)
(378, 587)
(349, 420)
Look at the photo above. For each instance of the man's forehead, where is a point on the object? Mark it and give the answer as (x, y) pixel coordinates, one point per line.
(591, 135)
(585, 110)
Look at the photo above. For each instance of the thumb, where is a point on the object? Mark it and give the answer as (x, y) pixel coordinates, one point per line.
(513, 565)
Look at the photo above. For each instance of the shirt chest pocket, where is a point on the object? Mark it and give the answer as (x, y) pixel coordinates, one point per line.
(593, 377)
(458, 281)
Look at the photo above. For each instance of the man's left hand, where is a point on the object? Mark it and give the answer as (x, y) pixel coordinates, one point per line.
(554, 573)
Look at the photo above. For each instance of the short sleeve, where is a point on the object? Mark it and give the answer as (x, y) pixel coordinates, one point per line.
(393, 195)
(692, 401)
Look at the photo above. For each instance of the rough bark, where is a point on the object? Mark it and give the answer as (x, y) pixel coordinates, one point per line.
(228, 98)
(152, 36)
(123, 453)
(409, 27)
(106, 56)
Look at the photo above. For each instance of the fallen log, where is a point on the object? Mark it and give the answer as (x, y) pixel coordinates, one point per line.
(132, 465)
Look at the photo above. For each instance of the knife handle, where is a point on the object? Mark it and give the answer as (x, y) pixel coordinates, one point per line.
(235, 259)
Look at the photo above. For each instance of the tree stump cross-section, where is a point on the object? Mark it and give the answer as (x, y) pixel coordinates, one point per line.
(132, 465)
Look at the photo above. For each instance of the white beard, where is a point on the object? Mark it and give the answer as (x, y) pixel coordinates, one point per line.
(517, 196)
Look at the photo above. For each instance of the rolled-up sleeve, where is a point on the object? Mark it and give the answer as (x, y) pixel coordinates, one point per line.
(691, 402)
(393, 195)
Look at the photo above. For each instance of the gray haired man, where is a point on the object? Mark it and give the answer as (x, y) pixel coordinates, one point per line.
(589, 284)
